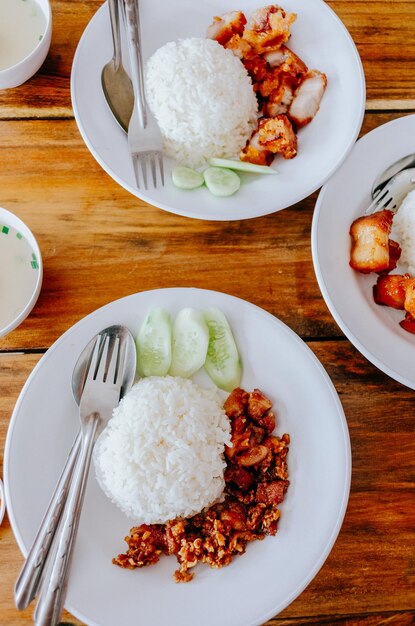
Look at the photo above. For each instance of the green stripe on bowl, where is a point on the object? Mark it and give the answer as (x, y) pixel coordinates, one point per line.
(19, 235)
(5, 230)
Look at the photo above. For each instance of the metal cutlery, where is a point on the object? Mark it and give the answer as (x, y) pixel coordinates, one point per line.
(28, 581)
(116, 83)
(100, 395)
(404, 163)
(392, 194)
(144, 136)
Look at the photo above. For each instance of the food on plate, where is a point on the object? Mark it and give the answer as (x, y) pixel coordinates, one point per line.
(404, 230)
(223, 363)
(250, 168)
(221, 181)
(202, 98)
(256, 481)
(274, 136)
(186, 178)
(196, 339)
(189, 344)
(372, 250)
(289, 94)
(154, 344)
(161, 455)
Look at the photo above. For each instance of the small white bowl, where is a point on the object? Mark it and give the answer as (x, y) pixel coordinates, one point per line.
(23, 70)
(11, 220)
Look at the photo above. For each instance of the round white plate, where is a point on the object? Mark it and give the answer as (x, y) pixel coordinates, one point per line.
(373, 329)
(318, 37)
(273, 572)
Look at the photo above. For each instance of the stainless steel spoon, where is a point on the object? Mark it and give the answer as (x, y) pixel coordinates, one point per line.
(382, 180)
(115, 81)
(27, 583)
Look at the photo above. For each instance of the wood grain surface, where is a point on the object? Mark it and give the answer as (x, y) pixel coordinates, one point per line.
(99, 243)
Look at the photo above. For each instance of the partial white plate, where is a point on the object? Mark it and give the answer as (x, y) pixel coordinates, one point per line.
(318, 36)
(273, 572)
(374, 330)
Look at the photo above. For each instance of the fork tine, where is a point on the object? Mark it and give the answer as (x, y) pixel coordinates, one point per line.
(114, 362)
(152, 158)
(93, 361)
(161, 167)
(143, 163)
(102, 365)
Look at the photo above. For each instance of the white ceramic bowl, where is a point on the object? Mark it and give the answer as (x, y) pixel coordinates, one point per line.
(21, 72)
(9, 219)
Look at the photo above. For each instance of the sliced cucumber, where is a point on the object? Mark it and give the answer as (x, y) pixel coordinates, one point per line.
(243, 166)
(186, 178)
(221, 181)
(223, 363)
(190, 343)
(154, 344)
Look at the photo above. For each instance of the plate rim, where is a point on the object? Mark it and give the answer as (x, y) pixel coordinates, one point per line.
(206, 216)
(340, 415)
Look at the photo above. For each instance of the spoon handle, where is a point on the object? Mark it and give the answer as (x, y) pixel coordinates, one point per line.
(132, 20)
(115, 31)
(27, 583)
(54, 582)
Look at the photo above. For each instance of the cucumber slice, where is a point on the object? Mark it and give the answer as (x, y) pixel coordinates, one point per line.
(190, 343)
(186, 178)
(221, 181)
(223, 363)
(243, 166)
(154, 344)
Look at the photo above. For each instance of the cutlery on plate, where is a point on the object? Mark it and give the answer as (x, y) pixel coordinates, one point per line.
(116, 84)
(399, 165)
(391, 196)
(144, 136)
(27, 583)
(101, 394)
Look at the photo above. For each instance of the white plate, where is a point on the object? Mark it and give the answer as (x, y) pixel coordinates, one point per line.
(318, 36)
(272, 572)
(373, 329)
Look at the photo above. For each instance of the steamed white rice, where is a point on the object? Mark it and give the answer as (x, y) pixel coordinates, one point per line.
(161, 454)
(202, 98)
(404, 231)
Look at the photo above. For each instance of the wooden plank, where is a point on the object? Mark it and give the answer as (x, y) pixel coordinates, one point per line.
(100, 243)
(369, 577)
(382, 31)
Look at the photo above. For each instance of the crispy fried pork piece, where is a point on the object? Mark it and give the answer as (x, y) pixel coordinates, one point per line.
(408, 323)
(287, 61)
(240, 47)
(409, 304)
(307, 98)
(276, 134)
(256, 68)
(281, 81)
(254, 152)
(268, 28)
(236, 403)
(279, 100)
(225, 26)
(370, 242)
(390, 290)
(258, 404)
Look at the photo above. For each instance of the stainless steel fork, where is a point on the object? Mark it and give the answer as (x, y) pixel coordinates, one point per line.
(101, 394)
(391, 196)
(144, 136)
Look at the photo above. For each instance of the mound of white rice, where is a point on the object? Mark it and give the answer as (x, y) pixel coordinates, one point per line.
(161, 454)
(202, 98)
(404, 231)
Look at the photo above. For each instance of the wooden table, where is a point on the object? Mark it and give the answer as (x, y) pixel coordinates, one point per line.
(99, 243)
